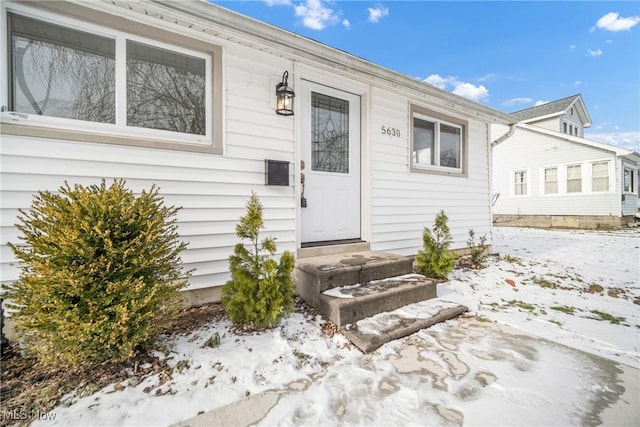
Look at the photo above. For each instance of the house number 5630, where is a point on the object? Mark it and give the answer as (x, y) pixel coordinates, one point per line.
(390, 131)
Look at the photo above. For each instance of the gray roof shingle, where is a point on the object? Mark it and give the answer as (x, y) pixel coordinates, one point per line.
(558, 106)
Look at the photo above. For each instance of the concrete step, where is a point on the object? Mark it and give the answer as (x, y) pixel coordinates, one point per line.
(349, 304)
(371, 333)
(315, 275)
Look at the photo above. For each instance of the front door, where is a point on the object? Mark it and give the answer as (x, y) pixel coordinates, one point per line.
(331, 156)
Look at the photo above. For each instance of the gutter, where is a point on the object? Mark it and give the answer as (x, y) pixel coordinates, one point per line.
(510, 132)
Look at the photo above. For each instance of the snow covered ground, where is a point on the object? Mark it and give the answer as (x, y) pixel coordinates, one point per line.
(574, 288)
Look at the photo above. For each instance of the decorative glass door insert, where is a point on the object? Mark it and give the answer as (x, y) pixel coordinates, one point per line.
(330, 133)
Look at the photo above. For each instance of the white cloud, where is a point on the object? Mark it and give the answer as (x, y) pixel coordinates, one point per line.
(278, 2)
(572, 46)
(629, 140)
(346, 23)
(612, 21)
(375, 13)
(466, 90)
(469, 91)
(439, 81)
(488, 77)
(517, 101)
(596, 52)
(577, 83)
(608, 41)
(315, 14)
(540, 102)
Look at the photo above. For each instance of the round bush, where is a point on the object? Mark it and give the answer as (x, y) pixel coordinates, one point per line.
(100, 273)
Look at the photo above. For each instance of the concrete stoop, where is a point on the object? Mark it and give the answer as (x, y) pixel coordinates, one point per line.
(349, 288)
(349, 304)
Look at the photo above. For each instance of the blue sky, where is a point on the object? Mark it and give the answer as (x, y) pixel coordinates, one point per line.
(507, 55)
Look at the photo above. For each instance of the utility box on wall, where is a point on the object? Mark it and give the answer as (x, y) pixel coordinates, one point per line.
(276, 172)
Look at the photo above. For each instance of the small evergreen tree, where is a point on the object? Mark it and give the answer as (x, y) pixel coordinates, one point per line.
(477, 250)
(435, 259)
(260, 292)
(100, 273)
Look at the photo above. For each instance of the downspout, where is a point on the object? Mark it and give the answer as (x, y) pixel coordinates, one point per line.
(512, 129)
(494, 198)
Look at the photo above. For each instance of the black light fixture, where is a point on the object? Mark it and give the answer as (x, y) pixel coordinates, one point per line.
(284, 96)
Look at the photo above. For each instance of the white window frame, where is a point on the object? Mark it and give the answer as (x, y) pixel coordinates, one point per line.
(566, 168)
(634, 176)
(543, 176)
(438, 119)
(526, 173)
(119, 132)
(591, 171)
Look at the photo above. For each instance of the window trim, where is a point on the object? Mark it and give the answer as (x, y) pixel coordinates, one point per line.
(527, 182)
(634, 177)
(438, 117)
(566, 179)
(591, 170)
(543, 176)
(85, 19)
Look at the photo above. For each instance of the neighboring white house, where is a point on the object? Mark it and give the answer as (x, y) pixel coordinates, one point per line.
(183, 94)
(545, 174)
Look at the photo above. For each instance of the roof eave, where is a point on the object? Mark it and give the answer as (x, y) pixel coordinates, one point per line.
(577, 140)
(305, 47)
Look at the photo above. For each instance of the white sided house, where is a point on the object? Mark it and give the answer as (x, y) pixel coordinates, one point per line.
(182, 94)
(545, 174)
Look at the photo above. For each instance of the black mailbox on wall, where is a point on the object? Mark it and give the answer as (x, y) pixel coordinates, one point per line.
(276, 172)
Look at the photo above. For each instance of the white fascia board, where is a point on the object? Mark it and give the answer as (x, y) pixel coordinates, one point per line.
(586, 119)
(214, 19)
(577, 140)
(540, 118)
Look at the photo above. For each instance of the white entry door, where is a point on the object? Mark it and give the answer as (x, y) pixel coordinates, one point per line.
(331, 155)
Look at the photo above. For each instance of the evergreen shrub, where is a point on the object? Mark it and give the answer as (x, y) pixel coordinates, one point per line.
(260, 292)
(100, 273)
(477, 250)
(436, 259)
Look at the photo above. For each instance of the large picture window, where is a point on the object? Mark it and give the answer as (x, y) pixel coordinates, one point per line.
(61, 72)
(136, 85)
(437, 142)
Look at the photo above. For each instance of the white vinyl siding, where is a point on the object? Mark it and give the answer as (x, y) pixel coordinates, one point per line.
(551, 180)
(539, 151)
(574, 179)
(404, 202)
(600, 176)
(211, 189)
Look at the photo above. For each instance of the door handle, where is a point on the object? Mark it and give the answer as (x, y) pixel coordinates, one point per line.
(303, 200)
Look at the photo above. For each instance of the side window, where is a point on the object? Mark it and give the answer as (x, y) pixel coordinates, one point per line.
(574, 179)
(629, 181)
(520, 183)
(600, 176)
(438, 142)
(551, 180)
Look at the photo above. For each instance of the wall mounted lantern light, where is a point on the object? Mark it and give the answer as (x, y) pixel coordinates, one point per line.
(284, 96)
